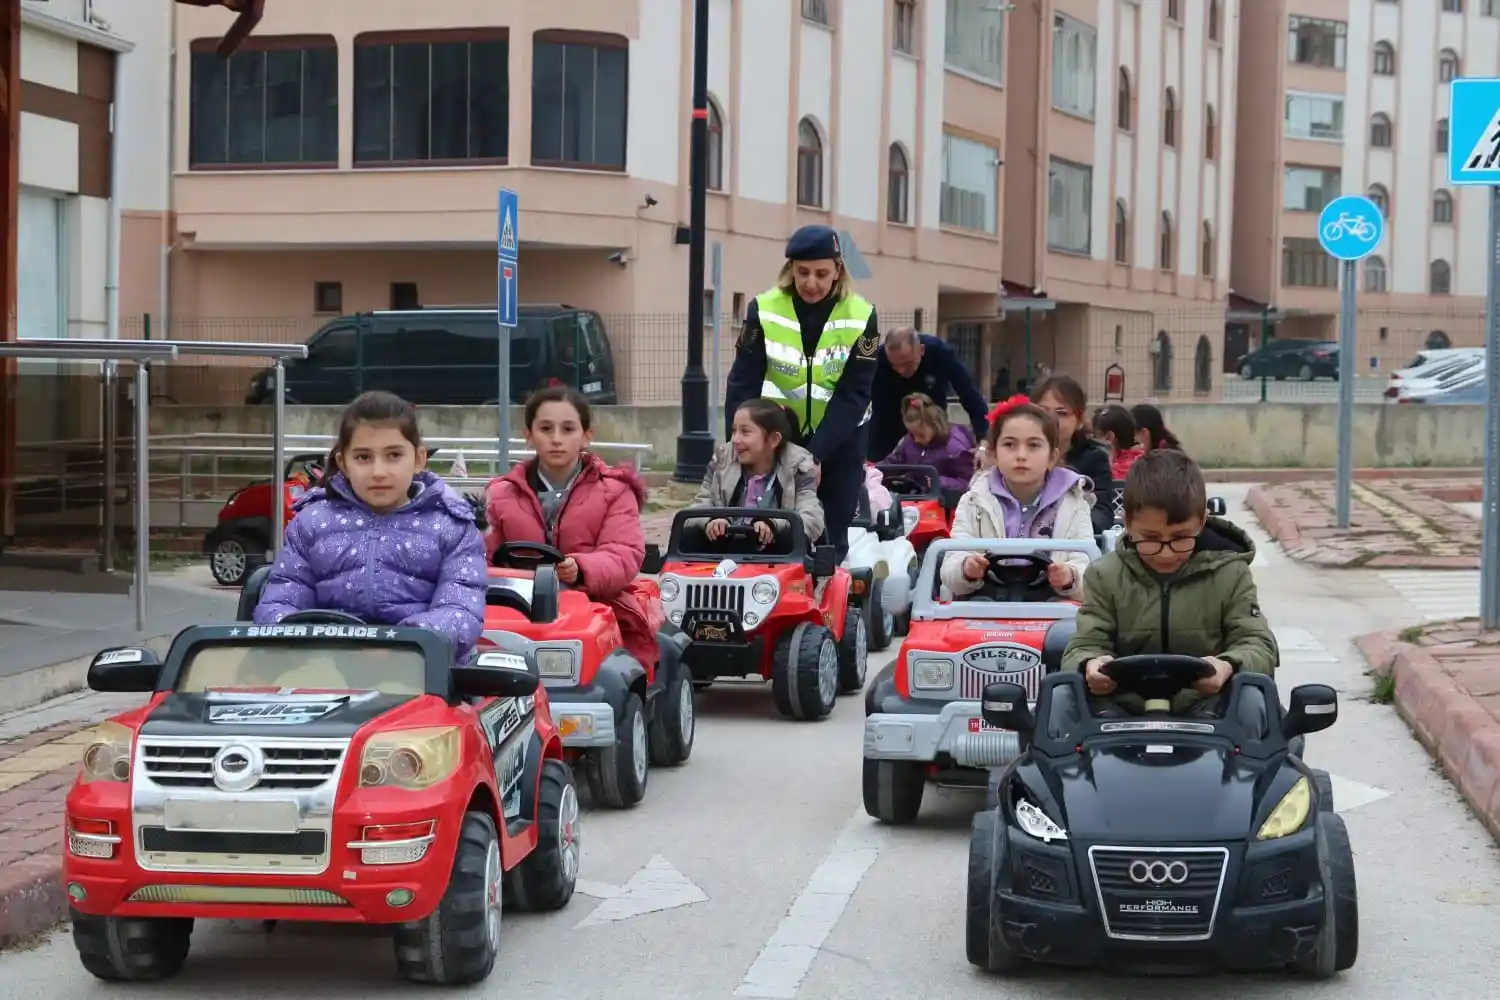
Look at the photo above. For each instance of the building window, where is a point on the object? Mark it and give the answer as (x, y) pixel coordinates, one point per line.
(1169, 119)
(1381, 197)
(904, 27)
(1489, 8)
(809, 164)
(1453, 6)
(42, 270)
(1305, 264)
(815, 11)
(1124, 111)
(1075, 52)
(1210, 135)
(1380, 132)
(1203, 367)
(579, 95)
(1161, 363)
(1440, 278)
(1122, 232)
(405, 296)
(1311, 41)
(1385, 59)
(1174, 10)
(970, 180)
(1164, 257)
(273, 103)
(1447, 66)
(1309, 189)
(442, 99)
(328, 297)
(1213, 21)
(1070, 201)
(1314, 116)
(1374, 274)
(715, 146)
(1442, 207)
(898, 195)
(1208, 250)
(974, 39)
(1440, 139)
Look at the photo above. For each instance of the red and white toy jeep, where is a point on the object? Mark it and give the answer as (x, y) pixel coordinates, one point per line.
(783, 612)
(922, 713)
(319, 770)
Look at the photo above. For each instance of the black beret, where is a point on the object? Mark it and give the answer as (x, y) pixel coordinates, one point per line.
(814, 243)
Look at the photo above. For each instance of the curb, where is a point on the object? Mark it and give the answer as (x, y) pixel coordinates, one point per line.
(1459, 733)
(1283, 529)
(1277, 476)
(1288, 535)
(29, 688)
(32, 899)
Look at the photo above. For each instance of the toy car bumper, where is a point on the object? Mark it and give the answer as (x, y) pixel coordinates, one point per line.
(708, 661)
(584, 717)
(1268, 912)
(934, 728)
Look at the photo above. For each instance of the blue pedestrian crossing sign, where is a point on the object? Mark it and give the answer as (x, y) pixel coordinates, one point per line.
(508, 280)
(1351, 227)
(1474, 131)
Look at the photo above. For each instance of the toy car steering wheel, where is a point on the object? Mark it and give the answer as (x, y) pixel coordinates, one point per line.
(322, 617)
(904, 485)
(1005, 576)
(525, 555)
(1156, 676)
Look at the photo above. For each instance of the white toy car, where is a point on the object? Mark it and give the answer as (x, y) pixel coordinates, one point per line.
(883, 558)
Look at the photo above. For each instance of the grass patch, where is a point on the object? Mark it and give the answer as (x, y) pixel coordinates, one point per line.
(1383, 691)
(1412, 633)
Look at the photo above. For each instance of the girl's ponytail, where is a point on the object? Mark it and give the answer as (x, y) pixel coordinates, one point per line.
(773, 418)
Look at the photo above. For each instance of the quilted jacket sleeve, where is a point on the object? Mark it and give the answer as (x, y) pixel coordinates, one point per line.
(965, 525)
(1075, 523)
(291, 585)
(457, 609)
(621, 550)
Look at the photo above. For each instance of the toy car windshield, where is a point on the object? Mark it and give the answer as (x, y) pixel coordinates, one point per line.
(324, 666)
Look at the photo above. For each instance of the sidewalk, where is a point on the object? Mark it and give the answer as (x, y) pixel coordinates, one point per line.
(1447, 688)
(1407, 523)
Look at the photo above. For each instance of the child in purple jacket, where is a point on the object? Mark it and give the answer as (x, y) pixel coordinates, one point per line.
(932, 440)
(382, 538)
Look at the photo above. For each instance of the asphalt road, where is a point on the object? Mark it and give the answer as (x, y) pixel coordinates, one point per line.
(767, 806)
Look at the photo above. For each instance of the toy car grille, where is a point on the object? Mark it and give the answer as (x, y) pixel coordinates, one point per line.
(716, 597)
(971, 680)
(1157, 895)
(287, 767)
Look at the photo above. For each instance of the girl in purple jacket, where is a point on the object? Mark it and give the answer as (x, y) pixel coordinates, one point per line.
(932, 440)
(381, 537)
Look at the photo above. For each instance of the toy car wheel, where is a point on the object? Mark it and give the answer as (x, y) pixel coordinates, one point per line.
(458, 942)
(1324, 782)
(131, 949)
(1345, 891)
(901, 624)
(854, 652)
(235, 558)
(893, 790)
(546, 879)
(805, 673)
(882, 622)
(673, 722)
(618, 776)
(983, 942)
(1321, 962)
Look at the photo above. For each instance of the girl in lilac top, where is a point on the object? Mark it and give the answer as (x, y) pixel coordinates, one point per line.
(932, 440)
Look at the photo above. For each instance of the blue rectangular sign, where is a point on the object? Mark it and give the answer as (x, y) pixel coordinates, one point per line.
(1474, 131)
(508, 275)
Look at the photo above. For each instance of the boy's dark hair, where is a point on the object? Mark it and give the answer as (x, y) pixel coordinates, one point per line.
(1013, 409)
(1115, 419)
(558, 394)
(1149, 419)
(374, 407)
(773, 418)
(1168, 481)
(1067, 389)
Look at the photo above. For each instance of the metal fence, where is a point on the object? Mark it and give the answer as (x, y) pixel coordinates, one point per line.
(1178, 355)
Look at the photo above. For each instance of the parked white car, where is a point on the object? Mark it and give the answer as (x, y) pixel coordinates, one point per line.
(1429, 368)
(878, 543)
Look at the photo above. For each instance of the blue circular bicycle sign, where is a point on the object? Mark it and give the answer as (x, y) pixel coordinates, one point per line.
(1351, 227)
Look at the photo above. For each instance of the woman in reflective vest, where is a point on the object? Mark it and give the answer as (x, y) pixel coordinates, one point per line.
(810, 343)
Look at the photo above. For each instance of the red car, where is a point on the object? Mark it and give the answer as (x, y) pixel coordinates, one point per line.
(241, 541)
(928, 513)
(318, 770)
(616, 717)
(783, 612)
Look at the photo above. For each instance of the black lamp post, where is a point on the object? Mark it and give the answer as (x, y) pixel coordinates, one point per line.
(695, 445)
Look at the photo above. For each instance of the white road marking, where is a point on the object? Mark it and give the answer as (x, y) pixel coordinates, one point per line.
(788, 955)
(1440, 595)
(1349, 794)
(1298, 645)
(658, 886)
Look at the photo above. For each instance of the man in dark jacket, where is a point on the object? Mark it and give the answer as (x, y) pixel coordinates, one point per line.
(911, 362)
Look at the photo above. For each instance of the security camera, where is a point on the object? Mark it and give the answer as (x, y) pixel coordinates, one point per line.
(650, 201)
(618, 257)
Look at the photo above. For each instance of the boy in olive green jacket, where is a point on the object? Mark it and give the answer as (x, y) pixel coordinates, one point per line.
(1179, 583)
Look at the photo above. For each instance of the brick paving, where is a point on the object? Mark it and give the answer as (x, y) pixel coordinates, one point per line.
(1393, 524)
(1447, 688)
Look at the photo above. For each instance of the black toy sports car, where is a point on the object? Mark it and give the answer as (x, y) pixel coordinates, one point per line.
(1161, 843)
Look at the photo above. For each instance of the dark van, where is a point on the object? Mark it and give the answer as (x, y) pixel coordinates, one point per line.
(447, 357)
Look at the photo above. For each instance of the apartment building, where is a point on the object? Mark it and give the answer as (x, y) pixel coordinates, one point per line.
(1352, 98)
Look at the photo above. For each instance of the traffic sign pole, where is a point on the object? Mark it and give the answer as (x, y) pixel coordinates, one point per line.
(507, 310)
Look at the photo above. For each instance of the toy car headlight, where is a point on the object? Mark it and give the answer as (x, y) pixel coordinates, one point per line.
(108, 757)
(1290, 813)
(909, 519)
(765, 592)
(1035, 823)
(670, 588)
(410, 758)
(554, 662)
(932, 675)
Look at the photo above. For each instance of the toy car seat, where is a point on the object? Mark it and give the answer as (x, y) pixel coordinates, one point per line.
(250, 590)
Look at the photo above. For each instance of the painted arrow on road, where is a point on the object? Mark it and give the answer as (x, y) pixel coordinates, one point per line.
(1349, 794)
(658, 886)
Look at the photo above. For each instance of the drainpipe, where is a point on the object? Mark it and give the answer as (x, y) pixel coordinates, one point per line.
(168, 188)
(112, 240)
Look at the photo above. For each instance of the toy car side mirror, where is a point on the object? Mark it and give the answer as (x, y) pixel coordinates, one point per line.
(1004, 705)
(653, 562)
(1312, 708)
(825, 560)
(495, 674)
(125, 670)
(888, 524)
(1217, 507)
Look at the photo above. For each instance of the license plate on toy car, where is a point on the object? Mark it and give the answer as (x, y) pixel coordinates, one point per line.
(708, 627)
(980, 726)
(231, 816)
(593, 386)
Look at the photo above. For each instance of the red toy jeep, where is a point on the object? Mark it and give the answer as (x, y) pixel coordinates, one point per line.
(241, 541)
(318, 770)
(616, 717)
(928, 514)
(783, 612)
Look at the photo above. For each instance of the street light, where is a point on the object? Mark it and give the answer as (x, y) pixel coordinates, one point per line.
(695, 445)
